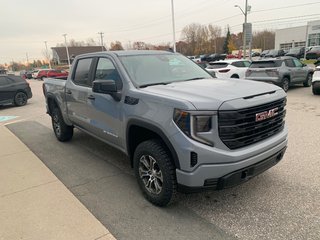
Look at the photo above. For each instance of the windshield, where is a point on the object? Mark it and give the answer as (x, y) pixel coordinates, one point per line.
(273, 52)
(156, 69)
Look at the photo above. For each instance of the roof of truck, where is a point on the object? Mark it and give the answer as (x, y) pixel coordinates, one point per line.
(127, 53)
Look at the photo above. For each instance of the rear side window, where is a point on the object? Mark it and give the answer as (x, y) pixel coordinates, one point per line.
(266, 64)
(289, 63)
(217, 65)
(241, 64)
(81, 76)
(3, 81)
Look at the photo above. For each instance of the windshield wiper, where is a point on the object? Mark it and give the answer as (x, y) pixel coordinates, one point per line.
(153, 84)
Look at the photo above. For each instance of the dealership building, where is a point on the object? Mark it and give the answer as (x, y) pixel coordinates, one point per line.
(298, 36)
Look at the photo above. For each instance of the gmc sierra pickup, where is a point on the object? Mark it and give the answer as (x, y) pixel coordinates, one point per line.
(181, 128)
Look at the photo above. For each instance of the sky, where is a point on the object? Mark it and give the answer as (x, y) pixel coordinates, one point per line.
(26, 25)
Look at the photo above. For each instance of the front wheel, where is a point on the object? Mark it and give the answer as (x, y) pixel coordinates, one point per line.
(308, 82)
(316, 88)
(62, 131)
(155, 172)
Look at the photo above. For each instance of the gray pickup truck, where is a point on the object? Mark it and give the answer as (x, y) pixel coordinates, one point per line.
(181, 129)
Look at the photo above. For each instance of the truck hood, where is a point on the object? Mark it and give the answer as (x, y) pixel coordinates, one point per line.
(210, 94)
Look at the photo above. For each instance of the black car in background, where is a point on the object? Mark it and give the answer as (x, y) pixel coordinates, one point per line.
(274, 53)
(313, 53)
(14, 90)
(297, 52)
(213, 57)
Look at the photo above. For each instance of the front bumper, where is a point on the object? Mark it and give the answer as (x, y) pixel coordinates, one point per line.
(218, 175)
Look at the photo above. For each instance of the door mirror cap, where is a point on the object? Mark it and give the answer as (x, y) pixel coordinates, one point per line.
(104, 86)
(107, 87)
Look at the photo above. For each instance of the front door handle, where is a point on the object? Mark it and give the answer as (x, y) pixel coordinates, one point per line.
(91, 97)
(68, 92)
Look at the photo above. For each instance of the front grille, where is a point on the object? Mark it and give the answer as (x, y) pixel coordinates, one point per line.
(239, 128)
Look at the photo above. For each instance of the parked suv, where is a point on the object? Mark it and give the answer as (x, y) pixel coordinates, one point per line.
(275, 53)
(14, 90)
(297, 52)
(284, 71)
(232, 68)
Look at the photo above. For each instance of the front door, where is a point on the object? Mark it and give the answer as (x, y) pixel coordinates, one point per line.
(300, 70)
(105, 111)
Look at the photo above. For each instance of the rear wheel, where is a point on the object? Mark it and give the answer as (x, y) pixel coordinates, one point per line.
(155, 172)
(285, 84)
(235, 76)
(62, 131)
(308, 82)
(20, 99)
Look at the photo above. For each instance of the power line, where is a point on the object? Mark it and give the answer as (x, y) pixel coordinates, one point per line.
(285, 7)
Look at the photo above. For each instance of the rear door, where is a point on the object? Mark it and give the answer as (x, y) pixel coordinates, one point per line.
(77, 91)
(5, 92)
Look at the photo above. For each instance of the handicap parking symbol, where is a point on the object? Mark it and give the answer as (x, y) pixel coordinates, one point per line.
(7, 118)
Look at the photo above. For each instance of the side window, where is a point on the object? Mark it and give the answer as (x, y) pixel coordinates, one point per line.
(106, 70)
(238, 64)
(246, 63)
(289, 63)
(297, 63)
(81, 76)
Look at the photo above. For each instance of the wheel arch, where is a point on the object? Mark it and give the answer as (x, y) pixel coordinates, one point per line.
(147, 131)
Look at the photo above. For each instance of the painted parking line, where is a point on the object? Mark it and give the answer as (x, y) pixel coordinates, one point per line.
(7, 118)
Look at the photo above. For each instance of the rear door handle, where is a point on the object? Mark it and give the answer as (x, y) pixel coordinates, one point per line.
(68, 92)
(91, 97)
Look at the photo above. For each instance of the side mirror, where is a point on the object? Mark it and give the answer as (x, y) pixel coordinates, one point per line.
(106, 87)
(304, 65)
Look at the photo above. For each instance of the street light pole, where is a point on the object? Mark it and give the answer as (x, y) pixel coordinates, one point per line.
(173, 27)
(101, 37)
(48, 57)
(65, 41)
(245, 13)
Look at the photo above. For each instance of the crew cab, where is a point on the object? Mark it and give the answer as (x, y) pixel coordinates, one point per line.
(182, 129)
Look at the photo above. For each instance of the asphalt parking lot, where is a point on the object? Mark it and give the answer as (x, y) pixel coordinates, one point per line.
(282, 203)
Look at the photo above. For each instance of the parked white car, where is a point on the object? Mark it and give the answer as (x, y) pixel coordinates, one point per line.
(316, 81)
(230, 68)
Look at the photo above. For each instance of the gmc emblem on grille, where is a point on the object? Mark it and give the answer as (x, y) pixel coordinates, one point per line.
(267, 114)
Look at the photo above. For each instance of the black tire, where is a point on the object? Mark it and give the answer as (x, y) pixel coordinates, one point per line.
(308, 82)
(235, 76)
(316, 88)
(155, 172)
(20, 99)
(285, 84)
(62, 131)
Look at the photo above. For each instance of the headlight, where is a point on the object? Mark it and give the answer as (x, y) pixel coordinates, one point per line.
(194, 124)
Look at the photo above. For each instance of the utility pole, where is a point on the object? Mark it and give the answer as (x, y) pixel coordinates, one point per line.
(101, 37)
(173, 27)
(65, 41)
(27, 59)
(47, 54)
